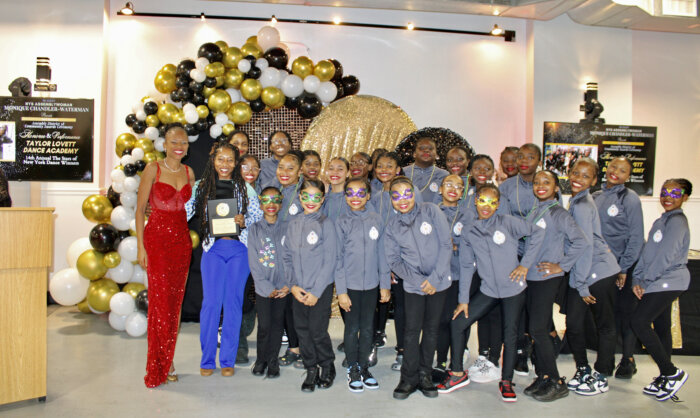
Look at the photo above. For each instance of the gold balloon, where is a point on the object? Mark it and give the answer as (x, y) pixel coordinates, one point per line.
(149, 157)
(160, 156)
(166, 112)
(133, 289)
(180, 117)
(215, 69)
(91, 265)
(240, 113)
(220, 81)
(303, 66)
(152, 120)
(233, 78)
(112, 259)
(251, 49)
(125, 141)
(202, 111)
(227, 129)
(97, 208)
(195, 238)
(145, 144)
(222, 45)
(207, 91)
(251, 89)
(324, 70)
(168, 68)
(231, 57)
(100, 292)
(252, 40)
(272, 96)
(165, 82)
(219, 101)
(83, 306)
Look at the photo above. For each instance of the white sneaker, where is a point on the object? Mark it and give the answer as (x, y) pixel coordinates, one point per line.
(488, 372)
(478, 364)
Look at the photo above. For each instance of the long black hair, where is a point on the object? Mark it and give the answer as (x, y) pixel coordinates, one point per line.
(207, 187)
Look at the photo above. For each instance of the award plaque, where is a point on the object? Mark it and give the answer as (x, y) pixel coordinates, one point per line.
(221, 213)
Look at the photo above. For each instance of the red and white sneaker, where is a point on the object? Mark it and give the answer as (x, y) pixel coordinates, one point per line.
(507, 392)
(453, 382)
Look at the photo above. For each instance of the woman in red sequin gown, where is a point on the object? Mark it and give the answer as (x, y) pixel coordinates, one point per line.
(164, 250)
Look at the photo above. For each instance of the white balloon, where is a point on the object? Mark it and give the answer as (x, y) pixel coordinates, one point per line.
(132, 225)
(200, 63)
(189, 107)
(270, 77)
(117, 322)
(137, 106)
(126, 159)
(268, 36)
(244, 65)
(68, 287)
(141, 114)
(118, 186)
(197, 75)
(131, 184)
(261, 63)
(136, 324)
(159, 144)
(311, 83)
(122, 304)
(235, 94)
(292, 86)
(139, 274)
(137, 153)
(215, 131)
(191, 116)
(122, 273)
(78, 247)
(118, 175)
(121, 217)
(128, 199)
(221, 119)
(152, 133)
(128, 249)
(327, 91)
(189, 138)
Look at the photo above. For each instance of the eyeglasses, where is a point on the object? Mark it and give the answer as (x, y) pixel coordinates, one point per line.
(266, 199)
(358, 163)
(247, 167)
(485, 201)
(455, 160)
(314, 198)
(453, 186)
(674, 193)
(407, 195)
(361, 192)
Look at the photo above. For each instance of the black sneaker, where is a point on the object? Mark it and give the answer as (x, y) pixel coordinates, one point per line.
(341, 347)
(652, 388)
(397, 363)
(426, 386)
(368, 380)
(580, 377)
(327, 376)
(507, 392)
(535, 386)
(373, 357)
(258, 368)
(404, 390)
(521, 367)
(273, 370)
(309, 384)
(552, 390)
(626, 369)
(439, 373)
(242, 357)
(379, 339)
(289, 357)
(670, 385)
(355, 379)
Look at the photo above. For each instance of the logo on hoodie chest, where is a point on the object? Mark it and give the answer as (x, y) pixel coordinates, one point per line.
(613, 211)
(373, 234)
(499, 237)
(658, 236)
(426, 228)
(312, 238)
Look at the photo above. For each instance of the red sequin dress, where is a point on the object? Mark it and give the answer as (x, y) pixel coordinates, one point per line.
(168, 245)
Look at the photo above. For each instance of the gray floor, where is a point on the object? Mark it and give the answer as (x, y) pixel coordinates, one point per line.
(94, 371)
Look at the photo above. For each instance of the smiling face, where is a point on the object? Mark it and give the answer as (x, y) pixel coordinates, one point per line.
(288, 171)
(672, 196)
(224, 162)
(386, 169)
(250, 170)
(240, 141)
(618, 172)
(482, 171)
(425, 152)
(311, 199)
(452, 189)
(486, 203)
(509, 163)
(581, 177)
(528, 160)
(280, 145)
(544, 186)
(311, 167)
(337, 172)
(176, 143)
(457, 161)
(359, 167)
(270, 202)
(356, 195)
(402, 197)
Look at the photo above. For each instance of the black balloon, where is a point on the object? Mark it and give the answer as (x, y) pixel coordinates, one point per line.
(140, 165)
(257, 105)
(197, 99)
(251, 58)
(195, 86)
(309, 106)
(142, 302)
(126, 152)
(277, 57)
(292, 102)
(202, 125)
(174, 96)
(182, 81)
(191, 129)
(351, 85)
(113, 197)
(104, 238)
(161, 130)
(209, 82)
(338, 70)
(341, 90)
(123, 234)
(210, 51)
(185, 67)
(254, 72)
(130, 170)
(139, 126)
(184, 94)
(150, 107)
(130, 119)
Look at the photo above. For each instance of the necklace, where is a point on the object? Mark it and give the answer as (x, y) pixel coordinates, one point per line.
(413, 166)
(165, 162)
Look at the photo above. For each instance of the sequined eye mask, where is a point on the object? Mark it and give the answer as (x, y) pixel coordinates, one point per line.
(674, 193)
(485, 201)
(407, 195)
(267, 199)
(314, 198)
(361, 192)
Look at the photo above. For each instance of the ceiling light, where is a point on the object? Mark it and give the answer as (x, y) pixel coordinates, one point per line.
(496, 12)
(127, 10)
(202, 17)
(273, 20)
(336, 20)
(496, 31)
(410, 26)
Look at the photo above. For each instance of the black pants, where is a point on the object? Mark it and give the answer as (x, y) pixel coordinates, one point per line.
(624, 309)
(359, 326)
(311, 323)
(270, 326)
(443, 342)
(422, 314)
(656, 307)
(490, 332)
(398, 294)
(381, 314)
(540, 303)
(479, 306)
(603, 311)
(292, 337)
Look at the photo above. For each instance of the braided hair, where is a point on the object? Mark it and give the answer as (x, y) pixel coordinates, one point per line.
(207, 186)
(685, 184)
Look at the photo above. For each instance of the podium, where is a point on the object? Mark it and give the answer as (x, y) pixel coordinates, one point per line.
(26, 254)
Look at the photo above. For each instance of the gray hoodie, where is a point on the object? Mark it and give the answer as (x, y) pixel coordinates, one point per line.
(265, 256)
(418, 247)
(380, 202)
(426, 180)
(460, 220)
(663, 264)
